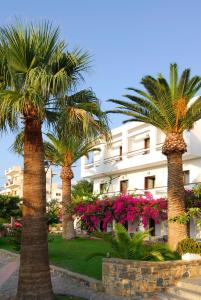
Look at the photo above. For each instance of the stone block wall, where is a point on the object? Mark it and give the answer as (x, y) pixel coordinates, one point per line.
(132, 278)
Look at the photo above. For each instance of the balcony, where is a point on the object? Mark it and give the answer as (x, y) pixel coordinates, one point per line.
(12, 183)
(138, 159)
(141, 151)
(156, 192)
(13, 171)
(136, 147)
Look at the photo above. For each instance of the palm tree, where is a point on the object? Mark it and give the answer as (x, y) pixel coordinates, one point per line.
(168, 106)
(37, 72)
(64, 153)
(73, 139)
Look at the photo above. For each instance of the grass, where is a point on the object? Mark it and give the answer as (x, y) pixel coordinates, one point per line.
(6, 244)
(72, 254)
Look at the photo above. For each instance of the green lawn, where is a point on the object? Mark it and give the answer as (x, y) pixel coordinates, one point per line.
(5, 244)
(72, 254)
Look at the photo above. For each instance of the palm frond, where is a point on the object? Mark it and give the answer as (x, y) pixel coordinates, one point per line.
(163, 104)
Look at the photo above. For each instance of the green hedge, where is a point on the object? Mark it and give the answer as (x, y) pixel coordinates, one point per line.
(189, 246)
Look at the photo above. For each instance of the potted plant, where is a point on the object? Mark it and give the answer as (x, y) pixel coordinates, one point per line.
(189, 249)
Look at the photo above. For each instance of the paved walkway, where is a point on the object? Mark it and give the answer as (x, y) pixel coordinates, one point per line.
(9, 277)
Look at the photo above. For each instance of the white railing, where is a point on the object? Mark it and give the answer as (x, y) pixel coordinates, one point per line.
(160, 191)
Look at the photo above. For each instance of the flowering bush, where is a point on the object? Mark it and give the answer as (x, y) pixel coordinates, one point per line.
(122, 209)
(193, 197)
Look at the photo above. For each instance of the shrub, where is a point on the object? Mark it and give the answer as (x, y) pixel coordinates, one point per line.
(15, 238)
(127, 247)
(189, 245)
(82, 191)
(165, 251)
(2, 221)
(53, 212)
(9, 206)
(122, 209)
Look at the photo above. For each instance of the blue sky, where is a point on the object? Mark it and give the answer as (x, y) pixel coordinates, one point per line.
(127, 39)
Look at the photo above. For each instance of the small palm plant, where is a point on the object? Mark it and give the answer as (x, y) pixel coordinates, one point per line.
(126, 247)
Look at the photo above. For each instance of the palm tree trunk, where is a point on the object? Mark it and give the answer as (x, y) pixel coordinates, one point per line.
(34, 275)
(176, 204)
(68, 225)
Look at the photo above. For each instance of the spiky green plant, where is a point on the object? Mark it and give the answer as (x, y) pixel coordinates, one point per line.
(132, 247)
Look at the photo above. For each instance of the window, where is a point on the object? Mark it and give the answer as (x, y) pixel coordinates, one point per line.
(120, 152)
(146, 145)
(90, 158)
(123, 186)
(103, 187)
(186, 177)
(149, 182)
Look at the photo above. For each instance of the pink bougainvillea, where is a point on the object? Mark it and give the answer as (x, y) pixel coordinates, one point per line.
(122, 209)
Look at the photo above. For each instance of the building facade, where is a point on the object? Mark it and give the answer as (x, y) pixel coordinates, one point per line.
(14, 184)
(133, 162)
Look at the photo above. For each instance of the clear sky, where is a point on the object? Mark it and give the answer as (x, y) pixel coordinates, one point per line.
(127, 39)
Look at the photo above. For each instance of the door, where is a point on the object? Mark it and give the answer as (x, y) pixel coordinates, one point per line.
(149, 182)
(123, 186)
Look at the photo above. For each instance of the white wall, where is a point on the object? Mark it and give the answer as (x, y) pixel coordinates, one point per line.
(136, 177)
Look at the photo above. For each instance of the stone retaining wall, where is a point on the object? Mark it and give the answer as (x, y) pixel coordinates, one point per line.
(81, 280)
(132, 278)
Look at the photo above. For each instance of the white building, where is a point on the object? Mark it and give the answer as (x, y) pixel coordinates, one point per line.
(134, 162)
(14, 184)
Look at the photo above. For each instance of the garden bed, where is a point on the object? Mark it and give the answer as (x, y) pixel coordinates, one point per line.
(131, 278)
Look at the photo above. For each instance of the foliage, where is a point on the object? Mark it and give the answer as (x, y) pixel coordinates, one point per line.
(36, 72)
(53, 211)
(165, 105)
(15, 239)
(134, 247)
(193, 205)
(189, 245)
(197, 191)
(82, 191)
(2, 221)
(123, 208)
(9, 206)
(193, 196)
(2, 226)
(194, 212)
(64, 152)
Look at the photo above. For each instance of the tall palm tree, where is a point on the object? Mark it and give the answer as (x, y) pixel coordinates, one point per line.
(168, 106)
(37, 72)
(64, 153)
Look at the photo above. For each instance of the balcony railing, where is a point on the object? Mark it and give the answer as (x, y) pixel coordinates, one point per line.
(160, 191)
(141, 151)
(112, 159)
